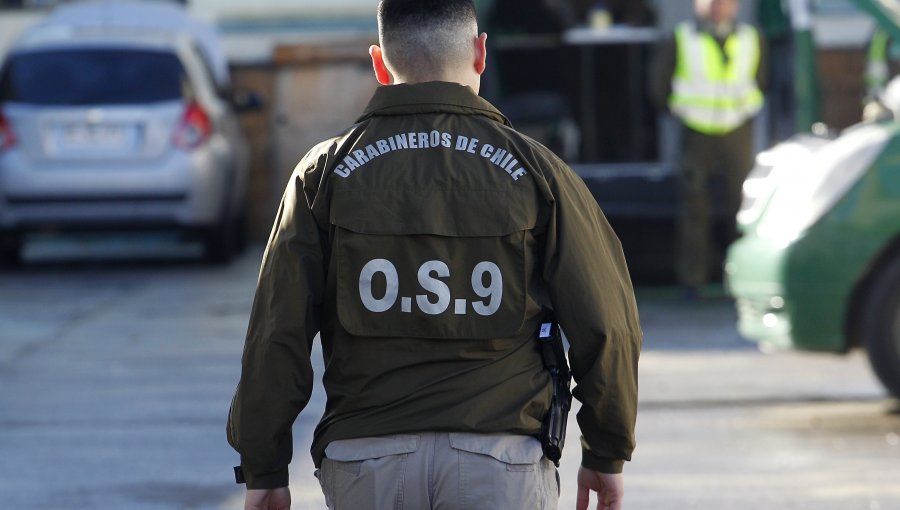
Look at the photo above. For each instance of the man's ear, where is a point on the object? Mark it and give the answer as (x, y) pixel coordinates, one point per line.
(381, 71)
(480, 53)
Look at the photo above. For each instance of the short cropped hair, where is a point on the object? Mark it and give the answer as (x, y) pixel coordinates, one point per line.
(423, 38)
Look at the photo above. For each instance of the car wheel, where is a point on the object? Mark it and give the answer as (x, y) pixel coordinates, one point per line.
(220, 242)
(11, 250)
(881, 327)
(240, 232)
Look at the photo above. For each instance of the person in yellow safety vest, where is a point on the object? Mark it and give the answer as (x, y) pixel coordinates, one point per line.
(883, 63)
(710, 75)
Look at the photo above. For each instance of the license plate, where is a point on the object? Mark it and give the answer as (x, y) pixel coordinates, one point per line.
(94, 136)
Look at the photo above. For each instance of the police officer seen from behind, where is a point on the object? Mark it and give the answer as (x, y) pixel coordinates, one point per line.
(710, 76)
(428, 243)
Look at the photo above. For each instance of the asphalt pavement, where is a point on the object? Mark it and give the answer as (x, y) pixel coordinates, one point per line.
(117, 369)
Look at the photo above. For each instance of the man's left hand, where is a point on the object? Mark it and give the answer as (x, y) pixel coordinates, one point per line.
(268, 499)
(610, 489)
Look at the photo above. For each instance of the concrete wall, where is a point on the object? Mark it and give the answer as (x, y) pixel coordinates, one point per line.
(842, 88)
(310, 92)
(257, 127)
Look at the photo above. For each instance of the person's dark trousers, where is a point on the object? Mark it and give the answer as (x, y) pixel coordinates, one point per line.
(729, 156)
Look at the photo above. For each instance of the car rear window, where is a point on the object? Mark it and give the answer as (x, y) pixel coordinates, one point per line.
(92, 77)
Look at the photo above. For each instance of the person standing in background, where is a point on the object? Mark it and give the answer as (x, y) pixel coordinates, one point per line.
(882, 64)
(775, 24)
(710, 75)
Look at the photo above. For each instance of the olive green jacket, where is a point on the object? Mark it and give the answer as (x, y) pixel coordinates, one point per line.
(426, 244)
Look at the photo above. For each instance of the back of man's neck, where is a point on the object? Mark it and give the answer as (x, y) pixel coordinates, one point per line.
(418, 80)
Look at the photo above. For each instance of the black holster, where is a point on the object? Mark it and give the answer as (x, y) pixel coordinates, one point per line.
(553, 430)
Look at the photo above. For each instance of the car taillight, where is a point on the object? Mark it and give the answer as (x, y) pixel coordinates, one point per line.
(194, 129)
(7, 137)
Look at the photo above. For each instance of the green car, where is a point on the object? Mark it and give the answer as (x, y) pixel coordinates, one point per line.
(818, 266)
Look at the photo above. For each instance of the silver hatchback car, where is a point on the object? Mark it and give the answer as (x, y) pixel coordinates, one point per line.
(105, 127)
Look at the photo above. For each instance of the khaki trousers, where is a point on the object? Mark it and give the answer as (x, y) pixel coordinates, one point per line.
(438, 471)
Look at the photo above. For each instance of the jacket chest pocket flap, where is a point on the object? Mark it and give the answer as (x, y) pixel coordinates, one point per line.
(407, 268)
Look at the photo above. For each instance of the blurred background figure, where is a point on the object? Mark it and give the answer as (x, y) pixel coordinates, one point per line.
(775, 26)
(710, 75)
(622, 12)
(525, 16)
(527, 31)
(882, 64)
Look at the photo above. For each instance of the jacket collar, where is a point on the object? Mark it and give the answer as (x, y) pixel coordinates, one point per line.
(430, 97)
(709, 28)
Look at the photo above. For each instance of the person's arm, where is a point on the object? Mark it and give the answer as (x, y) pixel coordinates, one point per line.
(277, 376)
(762, 73)
(661, 73)
(593, 299)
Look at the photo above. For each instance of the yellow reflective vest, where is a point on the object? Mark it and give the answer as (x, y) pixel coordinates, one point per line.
(884, 54)
(712, 92)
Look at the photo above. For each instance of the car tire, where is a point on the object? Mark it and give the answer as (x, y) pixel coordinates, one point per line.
(241, 234)
(11, 250)
(881, 326)
(220, 242)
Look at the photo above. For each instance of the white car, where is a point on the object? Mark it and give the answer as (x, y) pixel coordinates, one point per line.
(118, 116)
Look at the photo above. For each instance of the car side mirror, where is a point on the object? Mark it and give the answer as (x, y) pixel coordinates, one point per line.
(246, 100)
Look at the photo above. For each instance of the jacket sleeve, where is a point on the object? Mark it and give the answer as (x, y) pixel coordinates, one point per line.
(276, 375)
(661, 73)
(593, 300)
(762, 72)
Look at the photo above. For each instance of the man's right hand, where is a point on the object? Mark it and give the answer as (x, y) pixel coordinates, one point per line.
(610, 489)
(268, 499)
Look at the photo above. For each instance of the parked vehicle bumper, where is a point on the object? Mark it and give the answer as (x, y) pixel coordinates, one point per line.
(782, 298)
(181, 190)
